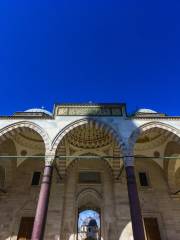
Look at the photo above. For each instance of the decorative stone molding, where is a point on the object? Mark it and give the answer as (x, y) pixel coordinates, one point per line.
(89, 110)
(98, 124)
(12, 129)
(49, 160)
(86, 191)
(88, 137)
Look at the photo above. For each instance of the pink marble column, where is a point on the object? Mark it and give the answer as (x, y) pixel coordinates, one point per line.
(135, 209)
(42, 206)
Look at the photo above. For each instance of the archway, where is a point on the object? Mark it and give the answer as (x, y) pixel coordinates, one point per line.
(90, 123)
(19, 127)
(88, 186)
(20, 146)
(85, 167)
(89, 224)
(88, 137)
(89, 216)
(153, 149)
(160, 142)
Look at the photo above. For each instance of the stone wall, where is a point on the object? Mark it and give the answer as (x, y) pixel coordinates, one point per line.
(21, 200)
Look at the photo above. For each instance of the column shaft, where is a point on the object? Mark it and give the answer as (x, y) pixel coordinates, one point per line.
(135, 210)
(42, 206)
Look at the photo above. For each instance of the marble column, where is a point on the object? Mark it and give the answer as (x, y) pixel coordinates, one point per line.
(42, 206)
(135, 209)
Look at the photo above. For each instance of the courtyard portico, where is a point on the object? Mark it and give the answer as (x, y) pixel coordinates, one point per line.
(87, 164)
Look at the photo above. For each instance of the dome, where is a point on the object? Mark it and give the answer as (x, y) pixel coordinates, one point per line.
(145, 110)
(90, 222)
(41, 110)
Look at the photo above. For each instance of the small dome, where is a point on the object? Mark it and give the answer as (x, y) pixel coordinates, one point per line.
(92, 223)
(145, 110)
(39, 110)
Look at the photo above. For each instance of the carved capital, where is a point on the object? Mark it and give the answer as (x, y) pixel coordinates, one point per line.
(49, 160)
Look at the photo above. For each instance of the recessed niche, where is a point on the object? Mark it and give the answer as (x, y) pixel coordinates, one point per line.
(23, 153)
(156, 154)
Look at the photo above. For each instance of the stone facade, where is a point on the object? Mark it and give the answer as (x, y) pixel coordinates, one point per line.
(90, 139)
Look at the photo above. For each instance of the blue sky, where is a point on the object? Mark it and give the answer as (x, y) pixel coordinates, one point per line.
(96, 50)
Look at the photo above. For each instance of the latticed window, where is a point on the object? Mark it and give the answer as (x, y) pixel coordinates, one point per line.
(2, 177)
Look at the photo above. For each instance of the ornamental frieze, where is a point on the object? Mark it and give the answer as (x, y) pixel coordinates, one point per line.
(101, 110)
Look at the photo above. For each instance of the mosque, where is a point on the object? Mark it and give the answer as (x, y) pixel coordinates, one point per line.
(125, 167)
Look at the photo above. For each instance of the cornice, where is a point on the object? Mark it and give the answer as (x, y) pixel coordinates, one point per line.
(154, 118)
(88, 104)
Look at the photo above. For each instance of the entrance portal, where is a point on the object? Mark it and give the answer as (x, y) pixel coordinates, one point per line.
(89, 225)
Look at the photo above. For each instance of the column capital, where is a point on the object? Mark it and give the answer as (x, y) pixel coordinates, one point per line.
(49, 160)
(128, 161)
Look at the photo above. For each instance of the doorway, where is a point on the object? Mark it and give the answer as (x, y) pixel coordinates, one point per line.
(89, 224)
(25, 229)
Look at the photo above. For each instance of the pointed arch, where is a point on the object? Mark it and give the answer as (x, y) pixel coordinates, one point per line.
(99, 124)
(14, 128)
(167, 129)
(88, 191)
(170, 132)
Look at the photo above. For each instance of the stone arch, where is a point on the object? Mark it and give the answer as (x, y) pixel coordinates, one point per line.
(89, 199)
(171, 132)
(88, 193)
(14, 128)
(108, 129)
(167, 129)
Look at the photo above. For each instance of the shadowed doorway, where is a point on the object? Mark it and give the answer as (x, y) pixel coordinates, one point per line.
(89, 224)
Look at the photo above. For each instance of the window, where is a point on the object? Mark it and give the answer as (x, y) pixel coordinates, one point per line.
(143, 179)
(89, 177)
(36, 178)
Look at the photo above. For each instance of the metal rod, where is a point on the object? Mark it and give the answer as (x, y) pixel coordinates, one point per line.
(82, 157)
